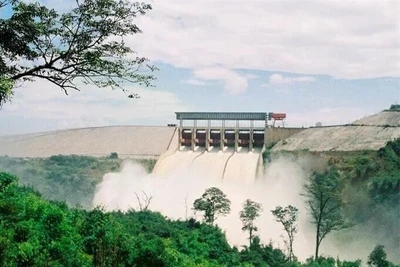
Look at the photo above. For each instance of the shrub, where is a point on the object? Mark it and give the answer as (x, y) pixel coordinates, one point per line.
(114, 155)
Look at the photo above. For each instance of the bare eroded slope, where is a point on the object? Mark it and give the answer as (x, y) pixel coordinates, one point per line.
(369, 133)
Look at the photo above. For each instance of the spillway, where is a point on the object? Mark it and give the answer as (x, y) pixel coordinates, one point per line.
(214, 164)
(243, 166)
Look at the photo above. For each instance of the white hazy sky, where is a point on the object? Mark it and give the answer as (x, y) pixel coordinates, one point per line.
(327, 61)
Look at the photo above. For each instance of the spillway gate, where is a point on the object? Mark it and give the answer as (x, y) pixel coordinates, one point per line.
(222, 129)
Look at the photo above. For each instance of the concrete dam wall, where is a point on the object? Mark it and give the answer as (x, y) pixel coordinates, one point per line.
(127, 141)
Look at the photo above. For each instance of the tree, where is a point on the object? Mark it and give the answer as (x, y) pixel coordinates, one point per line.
(144, 202)
(377, 258)
(288, 218)
(324, 204)
(83, 46)
(213, 203)
(251, 210)
(7, 180)
(114, 155)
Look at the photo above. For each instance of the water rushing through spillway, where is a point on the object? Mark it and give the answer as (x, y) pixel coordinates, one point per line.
(213, 164)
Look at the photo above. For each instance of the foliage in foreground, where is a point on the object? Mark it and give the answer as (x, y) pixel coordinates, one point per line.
(36, 232)
(84, 45)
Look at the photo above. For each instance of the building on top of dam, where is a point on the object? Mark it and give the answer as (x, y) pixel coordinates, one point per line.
(226, 129)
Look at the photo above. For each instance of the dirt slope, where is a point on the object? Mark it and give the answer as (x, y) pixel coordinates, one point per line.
(369, 133)
(384, 118)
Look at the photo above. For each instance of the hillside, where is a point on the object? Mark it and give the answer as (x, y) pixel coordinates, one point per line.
(384, 118)
(370, 192)
(369, 133)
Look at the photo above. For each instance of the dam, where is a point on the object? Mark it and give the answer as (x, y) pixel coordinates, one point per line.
(221, 135)
(220, 145)
(235, 130)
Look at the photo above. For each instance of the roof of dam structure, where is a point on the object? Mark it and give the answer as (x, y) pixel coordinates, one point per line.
(369, 133)
(127, 141)
(221, 115)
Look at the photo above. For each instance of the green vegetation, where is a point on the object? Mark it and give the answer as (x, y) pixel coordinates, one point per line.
(363, 187)
(288, 217)
(36, 232)
(377, 258)
(266, 156)
(65, 178)
(376, 177)
(322, 193)
(71, 48)
(250, 212)
(395, 107)
(369, 187)
(212, 203)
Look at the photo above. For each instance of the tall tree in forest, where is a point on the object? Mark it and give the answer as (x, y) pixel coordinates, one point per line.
(250, 212)
(322, 193)
(288, 218)
(82, 46)
(213, 203)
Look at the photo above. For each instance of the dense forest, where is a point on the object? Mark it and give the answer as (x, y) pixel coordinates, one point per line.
(48, 229)
(38, 232)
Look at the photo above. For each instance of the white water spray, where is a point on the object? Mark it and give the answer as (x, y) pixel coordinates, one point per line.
(183, 176)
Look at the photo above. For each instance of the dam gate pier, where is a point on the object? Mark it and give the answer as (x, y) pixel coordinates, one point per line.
(222, 129)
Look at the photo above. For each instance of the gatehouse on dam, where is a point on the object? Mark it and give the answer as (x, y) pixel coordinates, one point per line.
(222, 129)
(231, 129)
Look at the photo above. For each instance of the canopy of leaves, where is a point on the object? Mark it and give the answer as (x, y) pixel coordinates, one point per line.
(377, 258)
(82, 46)
(288, 217)
(251, 210)
(213, 203)
(324, 203)
(36, 232)
(395, 107)
(322, 193)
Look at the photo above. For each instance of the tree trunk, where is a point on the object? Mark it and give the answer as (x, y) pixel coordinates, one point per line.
(251, 236)
(317, 243)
